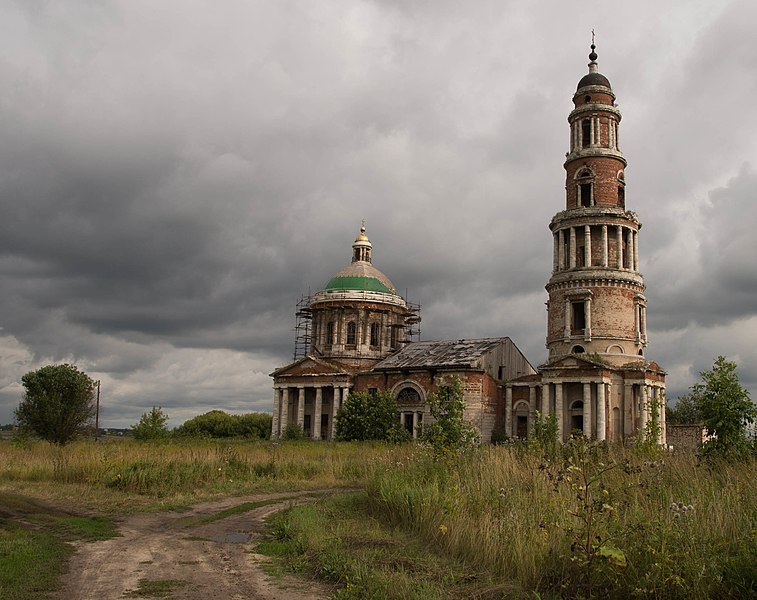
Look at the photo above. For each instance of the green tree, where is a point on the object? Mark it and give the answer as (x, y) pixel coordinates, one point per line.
(685, 412)
(449, 432)
(152, 425)
(365, 416)
(725, 407)
(58, 404)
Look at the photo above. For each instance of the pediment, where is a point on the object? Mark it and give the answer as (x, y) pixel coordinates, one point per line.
(309, 365)
(573, 362)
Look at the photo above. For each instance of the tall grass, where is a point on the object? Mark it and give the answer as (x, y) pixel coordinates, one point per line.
(520, 517)
(185, 471)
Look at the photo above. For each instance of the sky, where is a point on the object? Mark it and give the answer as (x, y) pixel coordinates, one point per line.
(174, 175)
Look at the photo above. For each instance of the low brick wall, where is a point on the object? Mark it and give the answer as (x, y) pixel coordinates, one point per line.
(685, 437)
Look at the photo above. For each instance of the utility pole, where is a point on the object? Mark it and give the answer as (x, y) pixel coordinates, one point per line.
(97, 414)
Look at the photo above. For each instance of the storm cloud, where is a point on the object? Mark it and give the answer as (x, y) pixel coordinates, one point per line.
(174, 175)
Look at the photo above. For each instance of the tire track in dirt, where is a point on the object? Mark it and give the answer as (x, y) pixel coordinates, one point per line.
(210, 560)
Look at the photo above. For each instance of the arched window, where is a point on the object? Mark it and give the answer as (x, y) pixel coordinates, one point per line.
(408, 395)
(585, 133)
(585, 180)
(374, 334)
(351, 333)
(621, 196)
(577, 350)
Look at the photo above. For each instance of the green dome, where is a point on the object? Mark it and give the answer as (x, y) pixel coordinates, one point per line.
(369, 284)
(360, 276)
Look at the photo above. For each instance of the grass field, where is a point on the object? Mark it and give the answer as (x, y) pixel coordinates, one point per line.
(496, 522)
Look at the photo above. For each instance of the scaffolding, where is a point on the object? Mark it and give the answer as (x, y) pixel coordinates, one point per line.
(412, 324)
(303, 327)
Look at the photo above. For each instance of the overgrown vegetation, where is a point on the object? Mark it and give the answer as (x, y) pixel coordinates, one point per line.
(574, 520)
(449, 433)
(723, 405)
(365, 416)
(338, 542)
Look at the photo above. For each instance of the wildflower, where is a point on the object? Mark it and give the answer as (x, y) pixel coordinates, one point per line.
(443, 529)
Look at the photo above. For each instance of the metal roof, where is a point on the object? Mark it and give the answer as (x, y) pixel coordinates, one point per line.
(442, 354)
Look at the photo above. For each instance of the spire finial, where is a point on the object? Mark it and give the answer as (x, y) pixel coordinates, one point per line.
(593, 55)
(362, 226)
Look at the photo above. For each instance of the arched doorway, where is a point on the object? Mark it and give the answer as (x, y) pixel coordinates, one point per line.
(577, 417)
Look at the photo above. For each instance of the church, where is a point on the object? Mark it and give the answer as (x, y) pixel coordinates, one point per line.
(359, 334)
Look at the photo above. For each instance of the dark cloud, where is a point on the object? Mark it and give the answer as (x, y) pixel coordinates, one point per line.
(173, 177)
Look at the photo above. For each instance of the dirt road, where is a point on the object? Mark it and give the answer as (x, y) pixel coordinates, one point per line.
(206, 561)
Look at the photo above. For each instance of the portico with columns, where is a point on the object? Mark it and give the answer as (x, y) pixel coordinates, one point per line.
(309, 399)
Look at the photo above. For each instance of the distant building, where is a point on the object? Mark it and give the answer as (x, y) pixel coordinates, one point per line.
(358, 332)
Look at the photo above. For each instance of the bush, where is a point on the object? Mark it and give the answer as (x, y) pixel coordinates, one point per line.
(365, 416)
(218, 424)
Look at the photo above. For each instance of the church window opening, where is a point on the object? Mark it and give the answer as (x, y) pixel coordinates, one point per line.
(578, 350)
(585, 191)
(408, 395)
(393, 337)
(621, 196)
(351, 333)
(374, 334)
(356, 255)
(579, 317)
(585, 133)
(580, 253)
(329, 333)
(587, 98)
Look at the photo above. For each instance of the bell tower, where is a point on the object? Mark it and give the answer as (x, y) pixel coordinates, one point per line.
(596, 292)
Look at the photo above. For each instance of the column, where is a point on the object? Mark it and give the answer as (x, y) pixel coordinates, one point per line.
(276, 408)
(597, 132)
(636, 250)
(415, 423)
(555, 252)
(619, 246)
(587, 410)
(316, 420)
(659, 410)
(558, 410)
(335, 404)
(587, 318)
(545, 400)
(301, 407)
(561, 250)
(629, 248)
(605, 252)
(601, 412)
(531, 409)
(643, 322)
(637, 321)
(644, 409)
(587, 245)
(629, 418)
(284, 410)
(572, 249)
(509, 410)
(591, 132)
